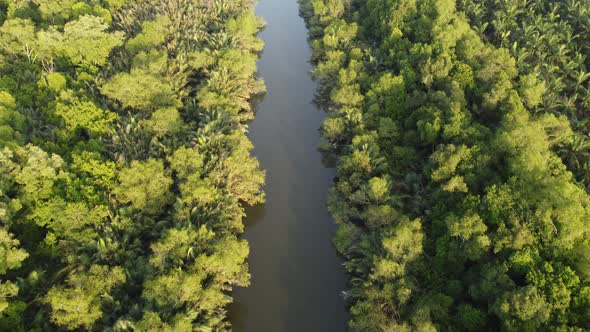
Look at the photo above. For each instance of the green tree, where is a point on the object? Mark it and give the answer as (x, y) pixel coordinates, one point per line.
(77, 303)
(18, 37)
(140, 90)
(150, 193)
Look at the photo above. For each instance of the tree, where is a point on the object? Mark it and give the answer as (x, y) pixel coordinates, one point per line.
(77, 304)
(123, 209)
(454, 142)
(38, 174)
(150, 193)
(11, 257)
(84, 41)
(140, 90)
(87, 42)
(524, 308)
(18, 37)
(11, 122)
(84, 114)
(154, 34)
(52, 10)
(164, 121)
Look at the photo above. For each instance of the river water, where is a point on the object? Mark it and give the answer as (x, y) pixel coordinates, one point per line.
(297, 277)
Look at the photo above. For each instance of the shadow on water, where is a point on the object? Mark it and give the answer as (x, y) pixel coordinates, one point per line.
(329, 159)
(255, 214)
(297, 276)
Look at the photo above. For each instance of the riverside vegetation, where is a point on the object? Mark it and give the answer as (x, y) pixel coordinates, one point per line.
(459, 137)
(124, 165)
(462, 185)
(549, 42)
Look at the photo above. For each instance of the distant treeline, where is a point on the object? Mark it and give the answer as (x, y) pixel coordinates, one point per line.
(456, 200)
(124, 166)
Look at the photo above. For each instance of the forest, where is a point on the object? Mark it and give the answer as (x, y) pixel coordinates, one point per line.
(462, 134)
(461, 192)
(93, 94)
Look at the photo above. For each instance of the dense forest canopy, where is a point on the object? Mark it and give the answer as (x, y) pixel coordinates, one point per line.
(462, 187)
(550, 43)
(124, 166)
(458, 133)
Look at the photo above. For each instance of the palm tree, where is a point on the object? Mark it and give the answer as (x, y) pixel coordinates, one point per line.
(130, 141)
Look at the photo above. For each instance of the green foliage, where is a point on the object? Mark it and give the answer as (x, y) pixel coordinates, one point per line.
(524, 308)
(186, 162)
(77, 304)
(164, 121)
(81, 8)
(245, 27)
(10, 255)
(55, 82)
(84, 114)
(7, 290)
(11, 122)
(38, 173)
(17, 37)
(153, 34)
(150, 194)
(140, 90)
(152, 322)
(84, 41)
(454, 211)
(10, 319)
(124, 164)
(51, 10)
(548, 41)
(87, 42)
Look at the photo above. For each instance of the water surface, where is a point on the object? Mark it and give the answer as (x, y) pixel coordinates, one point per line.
(297, 277)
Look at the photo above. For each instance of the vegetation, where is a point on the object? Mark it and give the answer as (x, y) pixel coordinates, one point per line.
(462, 186)
(455, 211)
(549, 41)
(124, 166)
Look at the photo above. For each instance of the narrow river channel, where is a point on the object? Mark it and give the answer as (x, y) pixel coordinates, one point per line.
(297, 277)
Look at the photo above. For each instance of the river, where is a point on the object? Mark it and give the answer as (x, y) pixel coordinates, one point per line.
(297, 276)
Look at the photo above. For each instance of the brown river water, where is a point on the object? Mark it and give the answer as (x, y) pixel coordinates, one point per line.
(297, 276)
